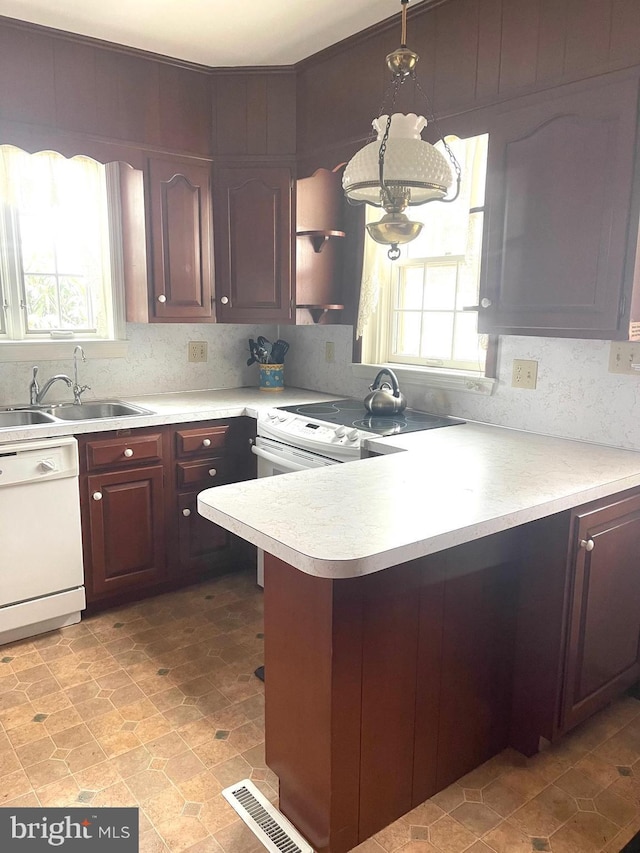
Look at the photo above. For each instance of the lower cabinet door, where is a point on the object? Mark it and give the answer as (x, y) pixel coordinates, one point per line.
(201, 543)
(125, 530)
(604, 609)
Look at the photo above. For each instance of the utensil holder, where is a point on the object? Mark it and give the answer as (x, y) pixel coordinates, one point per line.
(271, 377)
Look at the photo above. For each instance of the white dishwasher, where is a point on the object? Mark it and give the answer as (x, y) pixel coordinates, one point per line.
(41, 570)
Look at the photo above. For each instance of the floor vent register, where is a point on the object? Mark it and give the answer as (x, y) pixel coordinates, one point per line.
(269, 825)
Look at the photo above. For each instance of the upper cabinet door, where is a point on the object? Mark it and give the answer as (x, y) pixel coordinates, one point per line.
(253, 244)
(179, 231)
(559, 189)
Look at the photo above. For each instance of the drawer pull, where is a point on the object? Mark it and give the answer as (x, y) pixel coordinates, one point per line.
(97, 496)
(186, 512)
(587, 544)
(212, 472)
(128, 452)
(206, 442)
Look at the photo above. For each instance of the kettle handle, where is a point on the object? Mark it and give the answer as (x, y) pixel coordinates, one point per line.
(394, 381)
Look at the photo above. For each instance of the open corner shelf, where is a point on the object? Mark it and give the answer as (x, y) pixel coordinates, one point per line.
(317, 311)
(320, 238)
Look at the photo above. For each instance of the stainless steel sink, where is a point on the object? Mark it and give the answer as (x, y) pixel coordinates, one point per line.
(95, 409)
(24, 418)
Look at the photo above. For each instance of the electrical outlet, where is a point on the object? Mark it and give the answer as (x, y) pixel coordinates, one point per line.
(197, 350)
(525, 374)
(329, 352)
(624, 357)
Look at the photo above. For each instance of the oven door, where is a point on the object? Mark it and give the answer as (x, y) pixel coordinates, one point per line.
(277, 458)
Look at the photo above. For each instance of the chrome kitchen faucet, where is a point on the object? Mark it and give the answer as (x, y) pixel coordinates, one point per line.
(36, 394)
(77, 388)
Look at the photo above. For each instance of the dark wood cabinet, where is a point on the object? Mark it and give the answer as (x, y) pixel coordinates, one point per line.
(122, 501)
(253, 243)
(142, 533)
(178, 211)
(603, 631)
(560, 231)
(200, 541)
(204, 455)
(319, 248)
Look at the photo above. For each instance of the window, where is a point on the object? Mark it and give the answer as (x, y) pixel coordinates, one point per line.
(414, 311)
(57, 255)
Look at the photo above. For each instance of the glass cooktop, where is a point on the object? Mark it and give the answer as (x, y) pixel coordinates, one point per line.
(351, 412)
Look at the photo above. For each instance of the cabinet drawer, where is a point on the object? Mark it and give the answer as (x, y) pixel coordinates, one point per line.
(198, 440)
(205, 472)
(127, 450)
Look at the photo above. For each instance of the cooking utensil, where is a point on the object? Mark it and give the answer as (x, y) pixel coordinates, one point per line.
(252, 350)
(278, 351)
(264, 347)
(385, 399)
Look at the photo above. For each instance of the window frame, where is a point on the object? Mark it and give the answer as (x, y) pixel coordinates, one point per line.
(55, 345)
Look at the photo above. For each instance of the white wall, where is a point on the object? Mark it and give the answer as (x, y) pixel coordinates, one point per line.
(576, 396)
(156, 362)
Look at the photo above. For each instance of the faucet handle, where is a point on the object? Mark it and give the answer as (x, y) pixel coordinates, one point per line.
(34, 388)
(77, 391)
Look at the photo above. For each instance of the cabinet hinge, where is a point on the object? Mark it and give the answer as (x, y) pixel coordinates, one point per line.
(623, 306)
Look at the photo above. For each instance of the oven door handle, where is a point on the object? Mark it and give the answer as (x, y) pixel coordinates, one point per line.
(277, 460)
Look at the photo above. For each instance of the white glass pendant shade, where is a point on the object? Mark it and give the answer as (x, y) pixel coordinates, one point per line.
(409, 162)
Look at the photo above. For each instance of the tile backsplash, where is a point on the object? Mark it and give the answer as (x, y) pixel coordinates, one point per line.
(576, 396)
(156, 362)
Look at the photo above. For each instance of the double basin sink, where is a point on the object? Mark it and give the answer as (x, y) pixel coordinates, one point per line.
(33, 415)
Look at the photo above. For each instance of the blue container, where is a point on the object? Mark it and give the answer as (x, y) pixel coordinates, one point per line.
(271, 377)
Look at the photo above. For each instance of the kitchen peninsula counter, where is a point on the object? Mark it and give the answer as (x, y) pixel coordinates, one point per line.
(471, 588)
(451, 486)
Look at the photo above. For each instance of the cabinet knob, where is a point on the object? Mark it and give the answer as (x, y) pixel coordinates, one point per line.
(212, 472)
(587, 544)
(162, 298)
(485, 303)
(206, 442)
(128, 452)
(224, 300)
(252, 441)
(186, 512)
(97, 496)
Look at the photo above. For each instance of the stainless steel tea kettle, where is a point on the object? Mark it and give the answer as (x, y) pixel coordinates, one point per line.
(385, 399)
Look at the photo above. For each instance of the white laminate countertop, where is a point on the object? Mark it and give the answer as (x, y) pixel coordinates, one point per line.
(451, 486)
(173, 408)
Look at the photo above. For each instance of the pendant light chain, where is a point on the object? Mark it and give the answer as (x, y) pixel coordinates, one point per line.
(432, 119)
(384, 195)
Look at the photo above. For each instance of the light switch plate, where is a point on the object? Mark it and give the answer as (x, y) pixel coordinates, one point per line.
(623, 355)
(525, 374)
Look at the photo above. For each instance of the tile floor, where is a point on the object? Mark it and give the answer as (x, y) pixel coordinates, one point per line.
(156, 705)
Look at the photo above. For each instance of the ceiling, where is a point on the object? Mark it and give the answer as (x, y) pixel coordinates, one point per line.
(212, 32)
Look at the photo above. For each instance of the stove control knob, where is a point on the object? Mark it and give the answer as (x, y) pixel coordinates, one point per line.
(272, 416)
(282, 418)
(353, 434)
(340, 431)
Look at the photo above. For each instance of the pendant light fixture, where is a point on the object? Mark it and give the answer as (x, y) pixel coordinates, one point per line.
(399, 169)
